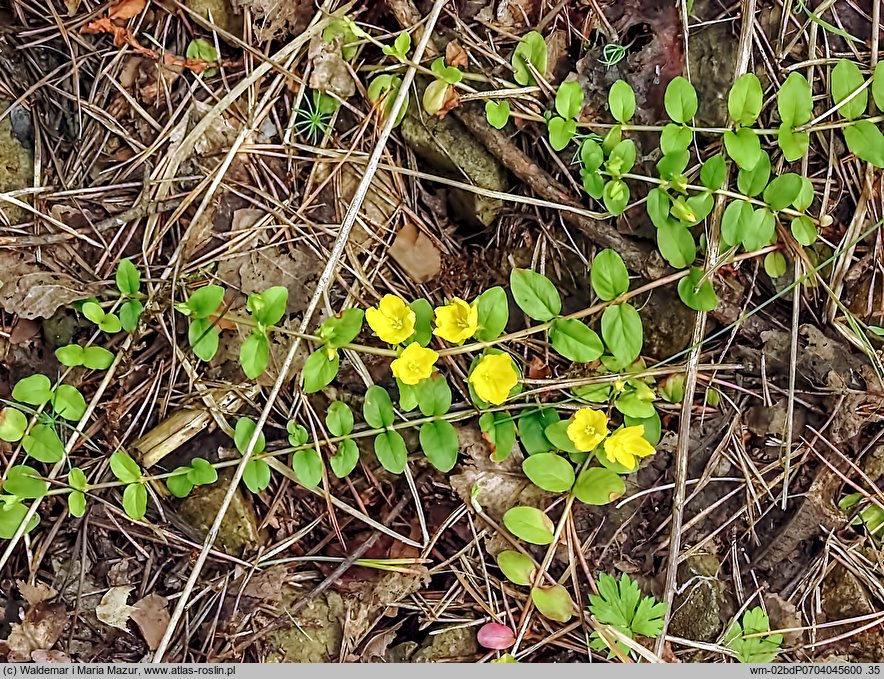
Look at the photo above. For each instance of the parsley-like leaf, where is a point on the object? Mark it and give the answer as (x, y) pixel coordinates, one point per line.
(621, 605)
(749, 648)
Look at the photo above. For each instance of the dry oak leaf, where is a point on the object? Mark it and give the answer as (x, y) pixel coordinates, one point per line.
(126, 9)
(113, 609)
(151, 614)
(416, 253)
(38, 631)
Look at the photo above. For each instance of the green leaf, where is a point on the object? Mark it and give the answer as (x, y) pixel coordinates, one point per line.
(793, 144)
(203, 337)
(297, 434)
(97, 358)
(339, 419)
(616, 196)
(794, 100)
(377, 408)
(752, 182)
(569, 99)
(593, 184)
(516, 567)
(561, 132)
(680, 100)
(205, 301)
(676, 244)
(575, 341)
(622, 332)
(256, 475)
(320, 370)
(202, 473)
(243, 433)
(621, 101)
(268, 307)
(675, 138)
(391, 451)
(439, 442)
(11, 516)
(702, 298)
(110, 324)
(866, 142)
(434, 396)
(658, 203)
(713, 172)
(621, 159)
(400, 47)
(499, 430)
(549, 471)
(93, 312)
(804, 230)
(497, 113)
(759, 230)
(12, 424)
(608, 275)
(531, 425)
(775, 264)
(68, 402)
(878, 86)
(76, 503)
(35, 390)
(423, 322)
(846, 79)
(125, 468)
(747, 641)
(307, 466)
(135, 501)
(70, 355)
(130, 312)
(745, 99)
(178, 484)
(529, 524)
(342, 329)
(598, 486)
(535, 294)
(734, 221)
(493, 312)
(202, 50)
(553, 602)
(805, 195)
(254, 354)
(591, 155)
(744, 147)
(26, 482)
(345, 459)
(673, 164)
(557, 434)
(782, 191)
(635, 404)
(530, 50)
(128, 278)
(448, 74)
(43, 444)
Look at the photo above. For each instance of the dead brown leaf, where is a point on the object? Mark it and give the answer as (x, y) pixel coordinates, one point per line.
(37, 593)
(50, 657)
(113, 609)
(456, 55)
(272, 18)
(330, 73)
(416, 253)
(452, 101)
(38, 631)
(151, 614)
(126, 9)
(30, 292)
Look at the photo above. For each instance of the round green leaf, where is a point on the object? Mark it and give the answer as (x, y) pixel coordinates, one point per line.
(256, 475)
(11, 517)
(178, 484)
(744, 147)
(26, 482)
(439, 443)
(569, 99)
(297, 434)
(345, 459)
(254, 354)
(70, 355)
(535, 294)
(128, 278)
(713, 172)
(342, 329)
(434, 396)
(203, 337)
(745, 99)
(43, 444)
(516, 567)
(591, 155)
(135, 501)
(675, 138)
(676, 244)
(497, 113)
(702, 298)
(12, 424)
(423, 322)
(598, 486)
(320, 370)
(616, 196)
(752, 182)
(93, 312)
(124, 467)
(77, 479)
(76, 503)
(759, 230)
(783, 190)
(575, 341)
(608, 275)
(794, 100)
(531, 426)
(846, 79)
(734, 221)
(110, 324)
(499, 431)
(493, 311)
(339, 419)
(775, 264)
(553, 602)
(391, 451)
(377, 409)
(561, 132)
(202, 473)
(35, 390)
(529, 524)
(307, 466)
(68, 402)
(242, 436)
(805, 195)
(621, 101)
(622, 332)
(804, 230)
(97, 358)
(793, 144)
(557, 434)
(205, 301)
(549, 472)
(268, 307)
(530, 50)
(680, 100)
(658, 207)
(866, 142)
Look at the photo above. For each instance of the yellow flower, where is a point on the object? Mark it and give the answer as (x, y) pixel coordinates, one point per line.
(414, 364)
(587, 429)
(626, 444)
(494, 377)
(392, 320)
(456, 321)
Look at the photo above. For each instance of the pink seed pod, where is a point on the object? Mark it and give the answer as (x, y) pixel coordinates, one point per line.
(495, 636)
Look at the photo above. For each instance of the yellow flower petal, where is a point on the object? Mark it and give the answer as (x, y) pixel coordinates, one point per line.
(494, 377)
(587, 429)
(414, 364)
(457, 321)
(392, 320)
(627, 444)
